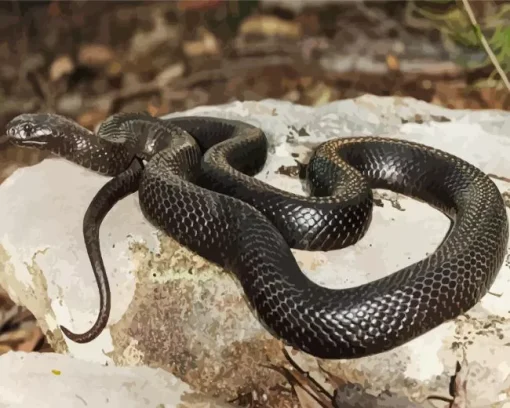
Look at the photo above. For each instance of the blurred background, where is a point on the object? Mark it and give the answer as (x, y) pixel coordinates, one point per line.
(90, 59)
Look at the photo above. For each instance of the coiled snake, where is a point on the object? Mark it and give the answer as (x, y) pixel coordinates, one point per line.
(194, 179)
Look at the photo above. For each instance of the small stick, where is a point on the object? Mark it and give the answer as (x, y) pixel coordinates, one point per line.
(485, 44)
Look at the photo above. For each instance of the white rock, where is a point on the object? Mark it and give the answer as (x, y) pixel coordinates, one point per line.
(172, 309)
(50, 380)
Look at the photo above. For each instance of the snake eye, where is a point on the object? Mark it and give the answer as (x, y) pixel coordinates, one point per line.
(27, 129)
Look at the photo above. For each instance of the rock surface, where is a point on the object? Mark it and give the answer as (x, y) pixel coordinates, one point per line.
(174, 310)
(70, 382)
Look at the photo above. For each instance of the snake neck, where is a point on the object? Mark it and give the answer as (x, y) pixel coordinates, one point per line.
(120, 138)
(84, 148)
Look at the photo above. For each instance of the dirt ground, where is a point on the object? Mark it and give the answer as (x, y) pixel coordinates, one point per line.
(87, 60)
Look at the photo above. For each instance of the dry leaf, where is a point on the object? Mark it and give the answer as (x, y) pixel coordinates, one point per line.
(392, 62)
(320, 94)
(271, 26)
(91, 118)
(152, 109)
(198, 4)
(54, 9)
(14, 336)
(114, 68)
(169, 74)
(95, 55)
(206, 45)
(305, 399)
(60, 67)
(32, 340)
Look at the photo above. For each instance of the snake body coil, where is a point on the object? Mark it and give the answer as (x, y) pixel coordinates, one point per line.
(193, 175)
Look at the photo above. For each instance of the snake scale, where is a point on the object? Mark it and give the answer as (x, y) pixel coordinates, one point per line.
(194, 177)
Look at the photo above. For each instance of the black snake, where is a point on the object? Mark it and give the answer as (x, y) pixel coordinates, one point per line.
(194, 178)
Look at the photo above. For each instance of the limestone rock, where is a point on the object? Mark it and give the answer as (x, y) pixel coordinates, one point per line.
(52, 380)
(174, 310)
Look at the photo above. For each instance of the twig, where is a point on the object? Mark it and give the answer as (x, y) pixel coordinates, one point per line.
(179, 89)
(229, 68)
(485, 43)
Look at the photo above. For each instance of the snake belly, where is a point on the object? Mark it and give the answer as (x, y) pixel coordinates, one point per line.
(214, 206)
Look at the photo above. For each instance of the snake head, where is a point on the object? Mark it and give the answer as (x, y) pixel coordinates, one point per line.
(32, 130)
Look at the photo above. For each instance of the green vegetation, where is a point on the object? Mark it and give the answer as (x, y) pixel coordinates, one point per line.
(460, 28)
